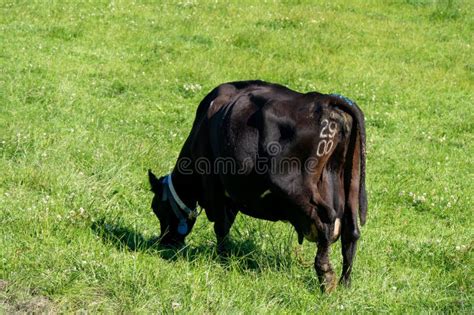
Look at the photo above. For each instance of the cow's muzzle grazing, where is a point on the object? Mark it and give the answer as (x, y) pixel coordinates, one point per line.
(176, 219)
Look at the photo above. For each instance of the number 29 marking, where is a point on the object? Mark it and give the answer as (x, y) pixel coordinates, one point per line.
(328, 131)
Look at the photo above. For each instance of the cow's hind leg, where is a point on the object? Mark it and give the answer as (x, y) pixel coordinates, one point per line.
(326, 275)
(222, 225)
(349, 236)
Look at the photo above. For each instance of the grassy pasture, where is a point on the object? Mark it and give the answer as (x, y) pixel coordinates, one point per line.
(92, 94)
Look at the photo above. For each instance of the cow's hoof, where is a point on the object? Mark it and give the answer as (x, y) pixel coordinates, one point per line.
(330, 283)
(345, 281)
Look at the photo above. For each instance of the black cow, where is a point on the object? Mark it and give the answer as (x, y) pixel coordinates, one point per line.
(274, 154)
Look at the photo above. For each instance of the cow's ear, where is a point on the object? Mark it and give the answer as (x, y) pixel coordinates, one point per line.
(155, 183)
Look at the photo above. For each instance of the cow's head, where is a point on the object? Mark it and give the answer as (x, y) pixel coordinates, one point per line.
(172, 233)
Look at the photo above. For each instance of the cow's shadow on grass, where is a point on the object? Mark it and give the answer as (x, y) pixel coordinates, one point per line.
(243, 254)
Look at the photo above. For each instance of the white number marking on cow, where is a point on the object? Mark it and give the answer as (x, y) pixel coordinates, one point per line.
(324, 147)
(328, 130)
(332, 129)
(324, 125)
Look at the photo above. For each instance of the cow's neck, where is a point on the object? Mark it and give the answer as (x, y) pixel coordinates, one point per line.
(185, 188)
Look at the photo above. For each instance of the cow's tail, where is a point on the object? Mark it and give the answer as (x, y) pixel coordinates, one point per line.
(351, 107)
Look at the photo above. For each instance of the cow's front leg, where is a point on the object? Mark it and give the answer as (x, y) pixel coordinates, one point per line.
(349, 236)
(326, 275)
(222, 225)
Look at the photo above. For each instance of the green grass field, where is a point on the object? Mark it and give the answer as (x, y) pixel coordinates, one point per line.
(93, 94)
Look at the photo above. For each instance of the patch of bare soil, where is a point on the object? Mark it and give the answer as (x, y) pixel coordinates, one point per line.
(36, 304)
(3, 296)
(3, 285)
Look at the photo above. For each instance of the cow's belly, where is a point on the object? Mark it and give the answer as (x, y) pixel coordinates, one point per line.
(264, 213)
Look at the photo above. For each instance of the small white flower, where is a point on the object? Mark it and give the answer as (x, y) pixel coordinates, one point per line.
(175, 305)
(192, 87)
